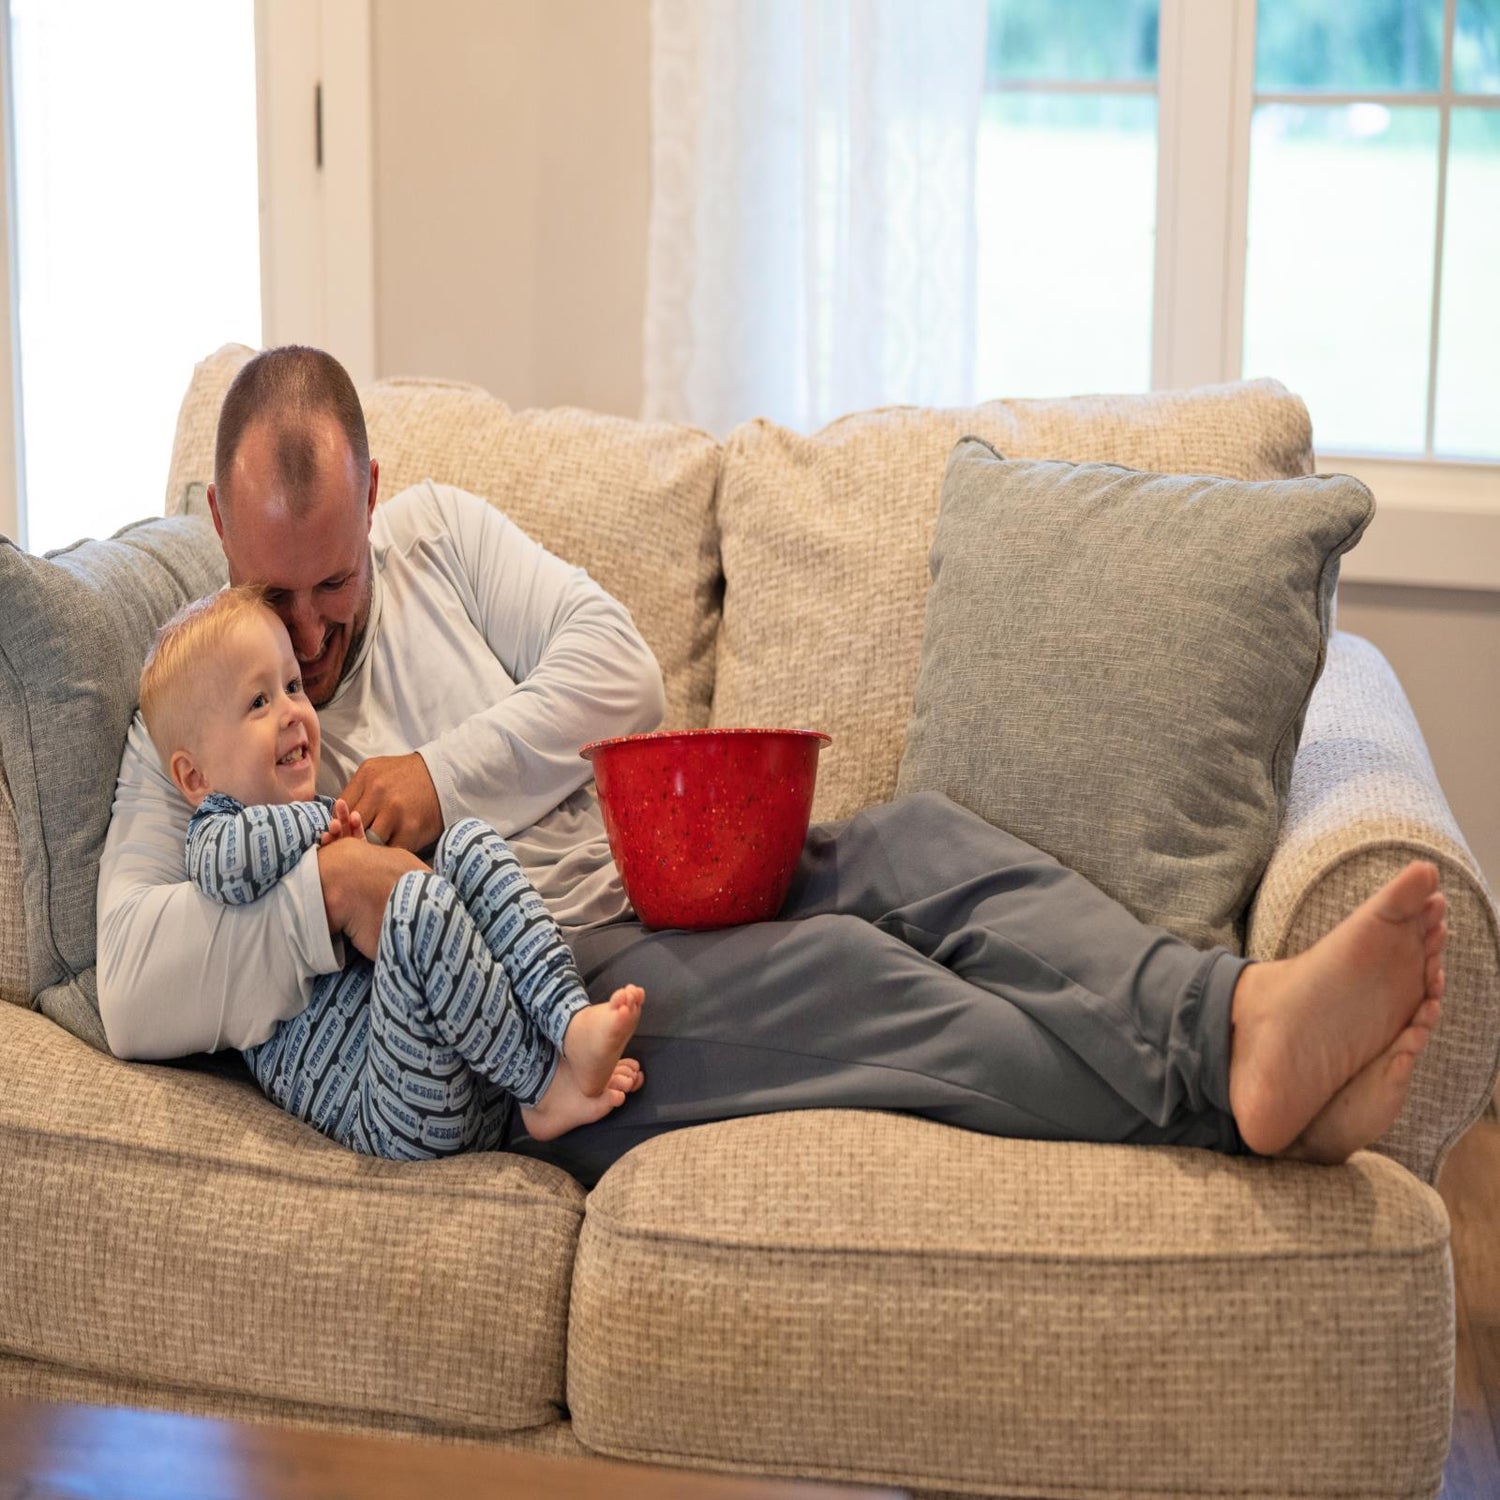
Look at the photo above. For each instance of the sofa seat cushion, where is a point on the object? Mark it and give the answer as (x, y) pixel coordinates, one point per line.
(631, 502)
(166, 1227)
(860, 1296)
(825, 541)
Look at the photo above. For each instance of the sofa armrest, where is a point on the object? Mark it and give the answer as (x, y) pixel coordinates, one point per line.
(1364, 800)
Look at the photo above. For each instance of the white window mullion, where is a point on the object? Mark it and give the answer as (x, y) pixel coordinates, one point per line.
(1445, 119)
(1207, 73)
(11, 430)
(1242, 103)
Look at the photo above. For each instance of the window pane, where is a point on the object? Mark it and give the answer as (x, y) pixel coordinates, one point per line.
(1348, 46)
(1067, 212)
(1476, 47)
(1338, 277)
(1468, 382)
(137, 221)
(1071, 40)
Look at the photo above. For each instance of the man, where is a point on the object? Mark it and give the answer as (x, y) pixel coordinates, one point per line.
(924, 961)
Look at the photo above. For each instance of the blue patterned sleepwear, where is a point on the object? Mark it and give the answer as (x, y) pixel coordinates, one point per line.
(418, 1054)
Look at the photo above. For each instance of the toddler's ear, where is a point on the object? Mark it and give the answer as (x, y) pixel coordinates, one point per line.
(187, 778)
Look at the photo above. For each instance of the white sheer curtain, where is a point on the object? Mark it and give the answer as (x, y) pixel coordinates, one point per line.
(812, 241)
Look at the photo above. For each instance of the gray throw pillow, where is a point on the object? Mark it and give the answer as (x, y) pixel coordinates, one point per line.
(1116, 667)
(74, 630)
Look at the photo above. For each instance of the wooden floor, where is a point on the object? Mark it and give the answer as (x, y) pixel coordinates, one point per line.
(1470, 1186)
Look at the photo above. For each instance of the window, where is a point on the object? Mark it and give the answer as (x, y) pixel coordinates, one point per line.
(1375, 220)
(1174, 192)
(1067, 197)
(136, 236)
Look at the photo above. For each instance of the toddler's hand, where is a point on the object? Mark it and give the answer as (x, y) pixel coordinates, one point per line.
(345, 824)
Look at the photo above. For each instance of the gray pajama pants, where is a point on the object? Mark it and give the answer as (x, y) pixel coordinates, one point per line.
(927, 963)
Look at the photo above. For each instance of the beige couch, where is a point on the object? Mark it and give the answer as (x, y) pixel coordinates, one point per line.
(847, 1295)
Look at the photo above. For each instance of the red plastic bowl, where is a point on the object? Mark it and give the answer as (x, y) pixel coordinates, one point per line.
(706, 825)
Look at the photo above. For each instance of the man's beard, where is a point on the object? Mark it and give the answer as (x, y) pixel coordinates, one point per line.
(357, 629)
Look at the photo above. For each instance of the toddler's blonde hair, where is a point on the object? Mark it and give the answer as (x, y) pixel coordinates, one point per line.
(180, 663)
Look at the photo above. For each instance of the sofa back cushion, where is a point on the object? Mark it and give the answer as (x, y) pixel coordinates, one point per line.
(74, 630)
(15, 981)
(825, 543)
(631, 502)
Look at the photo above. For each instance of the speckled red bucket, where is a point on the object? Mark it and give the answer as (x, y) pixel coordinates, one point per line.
(707, 825)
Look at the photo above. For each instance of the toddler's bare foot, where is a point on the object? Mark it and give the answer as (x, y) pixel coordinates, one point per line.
(1368, 1105)
(597, 1035)
(1304, 1027)
(565, 1105)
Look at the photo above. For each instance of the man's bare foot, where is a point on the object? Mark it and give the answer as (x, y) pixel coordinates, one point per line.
(565, 1106)
(1369, 1104)
(597, 1035)
(1302, 1028)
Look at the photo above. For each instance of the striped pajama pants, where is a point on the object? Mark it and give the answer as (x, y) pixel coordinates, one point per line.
(418, 1054)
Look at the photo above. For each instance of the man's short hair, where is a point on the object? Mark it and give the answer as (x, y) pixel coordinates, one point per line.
(292, 386)
(183, 659)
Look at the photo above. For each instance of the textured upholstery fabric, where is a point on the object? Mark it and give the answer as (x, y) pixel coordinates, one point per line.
(14, 981)
(198, 1238)
(1115, 667)
(198, 423)
(74, 630)
(861, 1296)
(1364, 801)
(632, 502)
(825, 541)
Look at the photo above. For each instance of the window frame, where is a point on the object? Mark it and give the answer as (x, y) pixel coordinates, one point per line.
(1438, 520)
(309, 293)
(1205, 79)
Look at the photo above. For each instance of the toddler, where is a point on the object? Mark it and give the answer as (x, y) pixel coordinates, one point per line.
(473, 996)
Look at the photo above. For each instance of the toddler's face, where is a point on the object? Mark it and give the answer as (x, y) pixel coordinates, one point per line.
(259, 734)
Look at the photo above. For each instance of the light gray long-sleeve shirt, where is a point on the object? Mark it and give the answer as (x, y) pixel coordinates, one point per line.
(494, 660)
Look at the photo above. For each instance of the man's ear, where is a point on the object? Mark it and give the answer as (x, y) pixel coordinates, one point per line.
(213, 510)
(374, 488)
(187, 778)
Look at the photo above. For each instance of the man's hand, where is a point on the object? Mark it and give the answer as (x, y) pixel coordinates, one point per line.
(358, 879)
(395, 797)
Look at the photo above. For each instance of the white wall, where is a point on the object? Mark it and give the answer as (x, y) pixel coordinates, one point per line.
(512, 166)
(1445, 647)
(512, 182)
